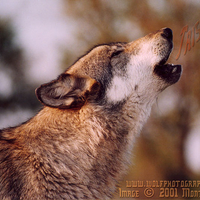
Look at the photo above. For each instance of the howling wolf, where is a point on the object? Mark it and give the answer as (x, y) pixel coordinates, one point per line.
(79, 144)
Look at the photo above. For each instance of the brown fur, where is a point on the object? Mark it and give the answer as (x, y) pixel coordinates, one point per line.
(78, 146)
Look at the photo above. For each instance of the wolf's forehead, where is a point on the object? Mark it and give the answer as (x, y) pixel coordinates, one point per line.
(103, 52)
(97, 55)
(96, 60)
(92, 63)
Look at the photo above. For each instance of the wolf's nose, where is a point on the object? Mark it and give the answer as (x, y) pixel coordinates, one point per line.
(167, 33)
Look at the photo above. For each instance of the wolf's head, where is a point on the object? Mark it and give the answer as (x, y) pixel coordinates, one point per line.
(110, 74)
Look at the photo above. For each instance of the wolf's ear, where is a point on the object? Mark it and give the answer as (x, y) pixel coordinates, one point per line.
(68, 91)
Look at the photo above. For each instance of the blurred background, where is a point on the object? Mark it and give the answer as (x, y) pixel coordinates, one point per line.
(40, 39)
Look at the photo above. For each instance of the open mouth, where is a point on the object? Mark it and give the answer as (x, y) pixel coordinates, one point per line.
(168, 72)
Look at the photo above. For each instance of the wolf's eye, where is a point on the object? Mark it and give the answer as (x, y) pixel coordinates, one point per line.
(116, 53)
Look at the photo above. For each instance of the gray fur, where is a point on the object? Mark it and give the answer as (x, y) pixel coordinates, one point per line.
(79, 145)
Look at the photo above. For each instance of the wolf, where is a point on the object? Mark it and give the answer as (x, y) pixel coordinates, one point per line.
(79, 145)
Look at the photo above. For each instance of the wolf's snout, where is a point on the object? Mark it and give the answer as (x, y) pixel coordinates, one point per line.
(170, 73)
(167, 33)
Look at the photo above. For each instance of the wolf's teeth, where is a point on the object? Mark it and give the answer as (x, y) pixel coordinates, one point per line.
(174, 70)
